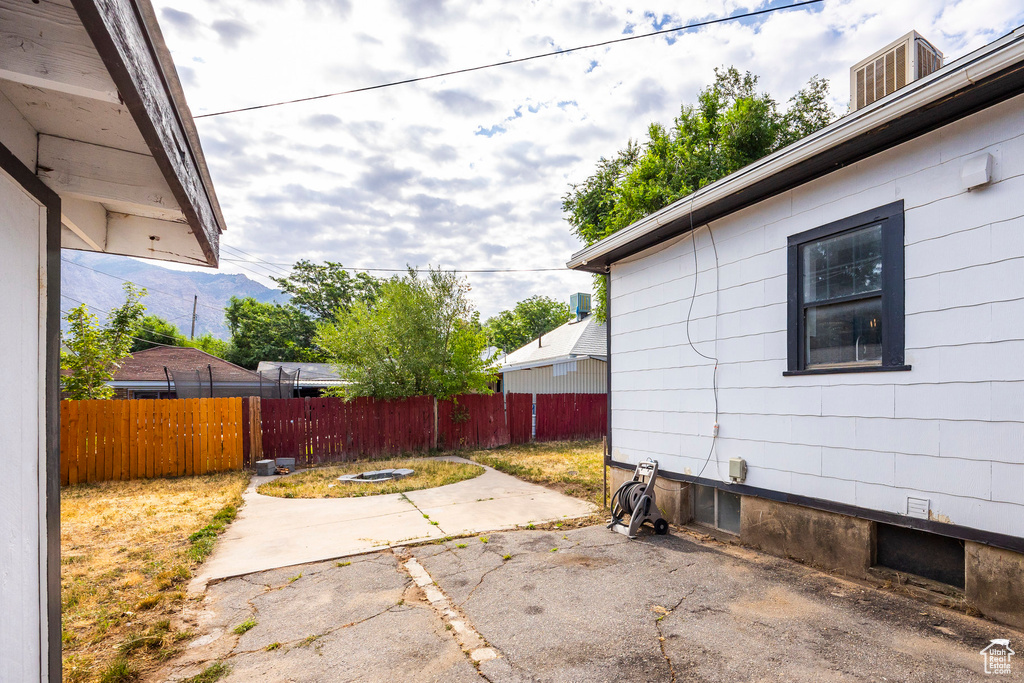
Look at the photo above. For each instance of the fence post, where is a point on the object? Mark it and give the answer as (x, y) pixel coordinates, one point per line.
(434, 444)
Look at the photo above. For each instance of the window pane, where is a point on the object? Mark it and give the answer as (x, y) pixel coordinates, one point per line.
(703, 504)
(849, 332)
(729, 512)
(844, 265)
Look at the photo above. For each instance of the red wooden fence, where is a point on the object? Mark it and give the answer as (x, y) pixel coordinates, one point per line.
(571, 416)
(472, 421)
(314, 430)
(519, 408)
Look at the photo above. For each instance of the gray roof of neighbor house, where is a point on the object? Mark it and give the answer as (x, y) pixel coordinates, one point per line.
(575, 340)
(310, 374)
(985, 77)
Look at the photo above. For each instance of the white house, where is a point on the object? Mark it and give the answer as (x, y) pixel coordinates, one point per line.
(853, 355)
(98, 151)
(570, 359)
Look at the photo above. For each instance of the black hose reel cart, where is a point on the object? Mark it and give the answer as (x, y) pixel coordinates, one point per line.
(636, 499)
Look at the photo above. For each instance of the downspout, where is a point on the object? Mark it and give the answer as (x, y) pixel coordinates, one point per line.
(608, 364)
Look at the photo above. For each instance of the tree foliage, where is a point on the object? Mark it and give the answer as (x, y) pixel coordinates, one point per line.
(731, 125)
(529, 319)
(155, 331)
(274, 332)
(90, 353)
(419, 338)
(322, 290)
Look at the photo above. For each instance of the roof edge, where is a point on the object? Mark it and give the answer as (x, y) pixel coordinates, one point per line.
(860, 134)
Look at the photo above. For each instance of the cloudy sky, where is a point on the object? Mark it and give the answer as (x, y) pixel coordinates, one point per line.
(468, 171)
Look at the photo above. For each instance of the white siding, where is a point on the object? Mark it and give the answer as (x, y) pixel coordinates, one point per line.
(22, 593)
(950, 430)
(590, 377)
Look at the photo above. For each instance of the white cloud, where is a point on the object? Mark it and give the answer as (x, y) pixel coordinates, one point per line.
(468, 171)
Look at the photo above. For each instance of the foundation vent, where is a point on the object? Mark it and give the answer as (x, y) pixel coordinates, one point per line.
(901, 62)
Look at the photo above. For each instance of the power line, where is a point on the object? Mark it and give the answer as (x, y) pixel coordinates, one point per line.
(253, 256)
(100, 310)
(453, 270)
(519, 60)
(148, 289)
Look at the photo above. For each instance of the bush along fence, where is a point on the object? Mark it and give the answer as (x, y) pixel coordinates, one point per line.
(120, 440)
(116, 439)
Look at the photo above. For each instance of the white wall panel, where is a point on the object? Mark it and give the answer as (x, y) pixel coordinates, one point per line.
(22, 421)
(951, 429)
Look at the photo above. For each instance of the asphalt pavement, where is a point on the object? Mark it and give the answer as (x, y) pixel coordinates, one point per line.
(579, 605)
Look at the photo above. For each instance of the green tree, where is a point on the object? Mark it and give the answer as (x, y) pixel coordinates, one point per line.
(274, 332)
(731, 125)
(529, 319)
(419, 338)
(321, 290)
(91, 354)
(210, 344)
(155, 331)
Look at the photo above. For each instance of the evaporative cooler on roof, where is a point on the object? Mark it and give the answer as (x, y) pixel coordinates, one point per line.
(897, 64)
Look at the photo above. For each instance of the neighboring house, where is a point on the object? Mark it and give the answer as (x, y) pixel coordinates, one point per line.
(98, 151)
(310, 378)
(855, 339)
(150, 373)
(570, 359)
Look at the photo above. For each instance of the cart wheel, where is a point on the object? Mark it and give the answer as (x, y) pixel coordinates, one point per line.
(661, 527)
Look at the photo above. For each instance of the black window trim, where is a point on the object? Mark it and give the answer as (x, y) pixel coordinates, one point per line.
(893, 290)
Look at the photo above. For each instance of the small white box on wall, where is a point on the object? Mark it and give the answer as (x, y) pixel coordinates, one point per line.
(976, 171)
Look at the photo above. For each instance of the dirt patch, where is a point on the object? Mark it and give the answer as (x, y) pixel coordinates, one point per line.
(584, 561)
(779, 603)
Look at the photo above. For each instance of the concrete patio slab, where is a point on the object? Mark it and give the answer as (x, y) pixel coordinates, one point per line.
(274, 532)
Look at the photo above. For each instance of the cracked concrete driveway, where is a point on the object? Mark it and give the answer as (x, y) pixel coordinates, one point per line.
(279, 532)
(579, 605)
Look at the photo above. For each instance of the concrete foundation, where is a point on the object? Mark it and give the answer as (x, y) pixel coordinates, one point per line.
(993, 582)
(825, 539)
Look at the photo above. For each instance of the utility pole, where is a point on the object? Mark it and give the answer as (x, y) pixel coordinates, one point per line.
(195, 302)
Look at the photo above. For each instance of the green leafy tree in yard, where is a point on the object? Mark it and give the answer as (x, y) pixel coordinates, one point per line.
(274, 332)
(731, 125)
(90, 353)
(210, 344)
(321, 290)
(155, 331)
(419, 338)
(530, 318)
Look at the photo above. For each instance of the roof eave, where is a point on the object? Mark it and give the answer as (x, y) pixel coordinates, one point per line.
(979, 80)
(149, 87)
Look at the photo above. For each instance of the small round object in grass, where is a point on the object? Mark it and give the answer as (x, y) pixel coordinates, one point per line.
(317, 481)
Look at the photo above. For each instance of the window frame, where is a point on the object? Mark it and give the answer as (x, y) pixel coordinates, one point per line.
(890, 216)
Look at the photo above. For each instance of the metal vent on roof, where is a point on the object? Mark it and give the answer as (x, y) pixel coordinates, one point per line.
(889, 69)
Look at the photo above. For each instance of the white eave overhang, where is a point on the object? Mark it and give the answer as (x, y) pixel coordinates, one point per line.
(92, 84)
(978, 80)
(543, 363)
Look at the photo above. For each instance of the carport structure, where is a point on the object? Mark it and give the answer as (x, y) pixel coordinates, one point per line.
(98, 151)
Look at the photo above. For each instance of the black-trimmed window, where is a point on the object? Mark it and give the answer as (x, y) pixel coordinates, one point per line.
(846, 290)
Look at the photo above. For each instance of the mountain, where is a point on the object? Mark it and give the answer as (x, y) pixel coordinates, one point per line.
(94, 279)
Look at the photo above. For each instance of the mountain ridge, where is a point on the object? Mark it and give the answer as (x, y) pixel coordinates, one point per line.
(98, 281)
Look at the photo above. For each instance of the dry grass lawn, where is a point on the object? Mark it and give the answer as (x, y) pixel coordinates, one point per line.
(322, 482)
(127, 551)
(572, 467)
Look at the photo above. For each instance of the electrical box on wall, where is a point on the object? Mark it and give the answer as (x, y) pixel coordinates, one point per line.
(737, 470)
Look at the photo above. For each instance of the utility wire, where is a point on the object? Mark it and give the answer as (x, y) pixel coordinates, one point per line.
(519, 60)
(454, 270)
(100, 310)
(148, 289)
